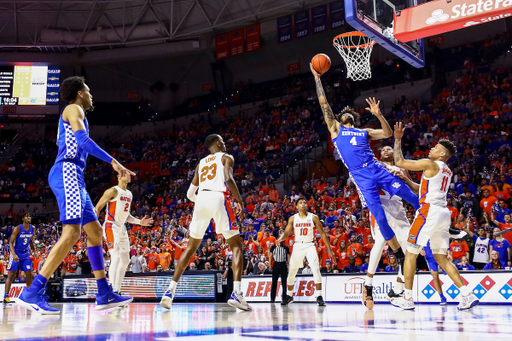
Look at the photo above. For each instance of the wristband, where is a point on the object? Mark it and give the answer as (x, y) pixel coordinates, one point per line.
(91, 147)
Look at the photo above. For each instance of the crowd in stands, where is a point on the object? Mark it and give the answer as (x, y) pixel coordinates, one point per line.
(474, 112)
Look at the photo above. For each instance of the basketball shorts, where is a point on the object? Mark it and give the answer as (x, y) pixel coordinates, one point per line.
(301, 250)
(116, 237)
(398, 222)
(431, 223)
(369, 179)
(24, 263)
(217, 206)
(67, 183)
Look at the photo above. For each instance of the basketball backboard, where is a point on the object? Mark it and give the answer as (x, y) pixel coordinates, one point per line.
(375, 19)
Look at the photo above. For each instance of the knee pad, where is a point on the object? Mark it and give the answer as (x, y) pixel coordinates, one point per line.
(414, 248)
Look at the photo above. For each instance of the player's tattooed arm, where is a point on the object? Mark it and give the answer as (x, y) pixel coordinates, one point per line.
(329, 118)
(420, 165)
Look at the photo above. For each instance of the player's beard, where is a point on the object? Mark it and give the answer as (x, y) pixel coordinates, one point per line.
(348, 120)
(91, 108)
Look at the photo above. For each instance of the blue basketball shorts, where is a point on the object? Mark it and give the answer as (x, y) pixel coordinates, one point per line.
(67, 183)
(369, 179)
(24, 263)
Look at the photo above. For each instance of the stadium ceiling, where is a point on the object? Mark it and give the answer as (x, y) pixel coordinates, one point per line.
(70, 25)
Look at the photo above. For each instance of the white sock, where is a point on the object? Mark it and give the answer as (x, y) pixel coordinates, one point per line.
(399, 287)
(237, 286)
(368, 281)
(172, 286)
(289, 292)
(317, 293)
(464, 290)
(408, 294)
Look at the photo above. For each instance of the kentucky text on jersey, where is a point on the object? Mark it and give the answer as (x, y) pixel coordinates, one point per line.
(353, 147)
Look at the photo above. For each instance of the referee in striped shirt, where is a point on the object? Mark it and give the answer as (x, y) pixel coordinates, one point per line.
(280, 254)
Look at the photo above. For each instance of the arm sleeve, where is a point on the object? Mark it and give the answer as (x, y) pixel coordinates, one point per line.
(133, 220)
(91, 147)
(191, 193)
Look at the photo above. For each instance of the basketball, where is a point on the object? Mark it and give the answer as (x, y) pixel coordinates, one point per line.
(321, 63)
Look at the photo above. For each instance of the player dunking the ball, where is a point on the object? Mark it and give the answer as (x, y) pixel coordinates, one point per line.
(66, 180)
(214, 180)
(368, 175)
(303, 224)
(118, 200)
(433, 219)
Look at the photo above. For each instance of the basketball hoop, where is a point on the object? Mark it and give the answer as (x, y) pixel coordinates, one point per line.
(355, 48)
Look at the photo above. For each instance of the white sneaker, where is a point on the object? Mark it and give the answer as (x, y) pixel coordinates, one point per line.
(238, 301)
(166, 300)
(468, 302)
(403, 303)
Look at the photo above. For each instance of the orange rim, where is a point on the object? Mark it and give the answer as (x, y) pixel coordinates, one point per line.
(352, 34)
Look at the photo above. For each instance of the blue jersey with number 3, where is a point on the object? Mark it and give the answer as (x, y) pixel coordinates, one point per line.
(353, 147)
(22, 242)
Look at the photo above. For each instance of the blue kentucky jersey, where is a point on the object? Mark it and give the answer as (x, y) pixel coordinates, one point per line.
(69, 151)
(22, 242)
(353, 147)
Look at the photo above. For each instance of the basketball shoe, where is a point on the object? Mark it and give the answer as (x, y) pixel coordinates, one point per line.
(368, 296)
(167, 299)
(36, 302)
(111, 300)
(468, 302)
(237, 300)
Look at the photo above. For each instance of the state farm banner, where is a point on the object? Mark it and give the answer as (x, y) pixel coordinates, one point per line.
(252, 38)
(441, 16)
(222, 46)
(236, 41)
(257, 288)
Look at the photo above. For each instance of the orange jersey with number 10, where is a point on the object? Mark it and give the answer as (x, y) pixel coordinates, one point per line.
(118, 209)
(211, 173)
(304, 229)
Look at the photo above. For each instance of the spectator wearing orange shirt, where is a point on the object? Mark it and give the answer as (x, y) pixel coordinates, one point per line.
(342, 255)
(487, 201)
(165, 258)
(505, 227)
(153, 259)
(267, 241)
(485, 185)
(454, 210)
(355, 249)
(501, 193)
(458, 250)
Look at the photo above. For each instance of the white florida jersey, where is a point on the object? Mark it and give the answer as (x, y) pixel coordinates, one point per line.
(211, 173)
(118, 209)
(304, 229)
(433, 190)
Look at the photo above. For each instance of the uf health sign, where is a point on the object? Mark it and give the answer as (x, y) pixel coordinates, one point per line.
(441, 16)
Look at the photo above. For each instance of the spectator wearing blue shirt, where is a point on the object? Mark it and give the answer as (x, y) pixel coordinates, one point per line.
(502, 210)
(364, 267)
(465, 181)
(352, 267)
(464, 265)
(495, 263)
(252, 232)
(392, 265)
(257, 224)
(501, 245)
(329, 220)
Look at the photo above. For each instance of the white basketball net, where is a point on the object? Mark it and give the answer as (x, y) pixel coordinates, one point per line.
(355, 50)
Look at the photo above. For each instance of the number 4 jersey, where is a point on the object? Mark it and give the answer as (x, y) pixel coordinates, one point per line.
(211, 173)
(303, 228)
(433, 190)
(118, 209)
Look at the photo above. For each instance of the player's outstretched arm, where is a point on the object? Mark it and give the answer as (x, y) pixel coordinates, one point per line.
(109, 194)
(324, 236)
(75, 115)
(229, 162)
(419, 165)
(378, 134)
(287, 230)
(330, 120)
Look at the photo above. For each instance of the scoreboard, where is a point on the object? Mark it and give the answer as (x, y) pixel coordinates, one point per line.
(29, 85)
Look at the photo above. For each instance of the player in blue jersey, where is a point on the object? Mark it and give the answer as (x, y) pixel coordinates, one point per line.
(66, 180)
(353, 146)
(20, 245)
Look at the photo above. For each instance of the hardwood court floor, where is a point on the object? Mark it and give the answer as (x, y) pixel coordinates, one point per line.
(143, 321)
